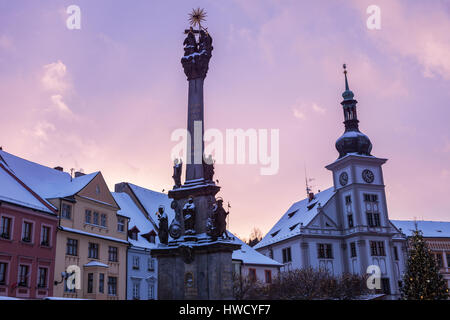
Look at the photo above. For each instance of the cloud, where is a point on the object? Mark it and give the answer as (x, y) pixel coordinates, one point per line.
(415, 29)
(54, 78)
(298, 114)
(41, 130)
(318, 109)
(60, 105)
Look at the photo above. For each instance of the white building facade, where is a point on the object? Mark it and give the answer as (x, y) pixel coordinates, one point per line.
(345, 228)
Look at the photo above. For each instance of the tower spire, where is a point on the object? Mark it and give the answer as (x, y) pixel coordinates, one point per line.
(352, 141)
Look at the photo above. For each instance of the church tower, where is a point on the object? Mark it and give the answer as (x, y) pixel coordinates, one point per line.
(361, 199)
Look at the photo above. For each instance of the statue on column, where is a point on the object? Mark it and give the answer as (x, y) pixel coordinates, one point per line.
(177, 170)
(163, 228)
(189, 217)
(217, 224)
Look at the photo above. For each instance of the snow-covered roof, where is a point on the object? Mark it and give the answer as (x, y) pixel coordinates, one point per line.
(49, 183)
(248, 255)
(432, 229)
(137, 218)
(151, 200)
(302, 212)
(13, 192)
(96, 264)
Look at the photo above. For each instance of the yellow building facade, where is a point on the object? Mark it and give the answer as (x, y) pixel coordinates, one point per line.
(92, 243)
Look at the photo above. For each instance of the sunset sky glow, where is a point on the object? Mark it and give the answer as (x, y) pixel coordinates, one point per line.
(107, 97)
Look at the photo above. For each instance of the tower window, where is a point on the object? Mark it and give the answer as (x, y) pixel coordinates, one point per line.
(350, 220)
(353, 249)
(348, 199)
(377, 248)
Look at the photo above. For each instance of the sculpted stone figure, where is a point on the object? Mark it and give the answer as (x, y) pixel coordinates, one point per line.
(177, 170)
(189, 217)
(163, 229)
(217, 224)
(196, 55)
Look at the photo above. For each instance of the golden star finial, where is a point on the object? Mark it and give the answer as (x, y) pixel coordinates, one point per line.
(197, 16)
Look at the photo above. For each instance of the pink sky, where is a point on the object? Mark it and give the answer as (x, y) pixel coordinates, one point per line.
(107, 97)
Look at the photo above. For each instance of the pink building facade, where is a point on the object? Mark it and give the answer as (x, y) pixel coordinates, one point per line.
(27, 240)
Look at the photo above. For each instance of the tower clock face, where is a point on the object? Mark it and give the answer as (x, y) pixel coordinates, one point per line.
(368, 176)
(343, 178)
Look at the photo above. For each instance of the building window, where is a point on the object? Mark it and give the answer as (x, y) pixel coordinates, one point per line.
(66, 211)
(42, 280)
(27, 231)
(87, 216)
(287, 255)
(370, 197)
(112, 253)
(324, 251)
(6, 228)
(353, 250)
(136, 290)
(3, 267)
(377, 248)
(448, 260)
(45, 236)
(121, 224)
(103, 220)
(95, 220)
(151, 264)
(348, 200)
(93, 250)
(395, 253)
(373, 219)
(268, 276)
(112, 286)
(101, 283)
(252, 274)
(90, 286)
(72, 247)
(136, 262)
(350, 220)
(151, 290)
(23, 276)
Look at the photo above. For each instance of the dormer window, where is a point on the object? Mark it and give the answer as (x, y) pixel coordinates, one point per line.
(275, 233)
(290, 215)
(133, 233)
(151, 236)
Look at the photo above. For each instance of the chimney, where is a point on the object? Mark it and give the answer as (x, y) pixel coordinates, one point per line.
(59, 168)
(79, 174)
(311, 196)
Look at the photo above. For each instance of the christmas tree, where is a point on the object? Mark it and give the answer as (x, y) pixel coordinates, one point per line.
(422, 280)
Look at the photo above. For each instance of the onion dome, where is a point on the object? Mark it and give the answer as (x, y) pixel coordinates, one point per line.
(353, 140)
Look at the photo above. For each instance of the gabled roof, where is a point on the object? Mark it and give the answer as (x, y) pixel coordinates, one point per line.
(47, 182)
(302, 212)
(430, 229)
(137, 218)
(15, 192)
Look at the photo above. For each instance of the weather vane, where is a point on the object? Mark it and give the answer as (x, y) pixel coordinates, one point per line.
(196, 17)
